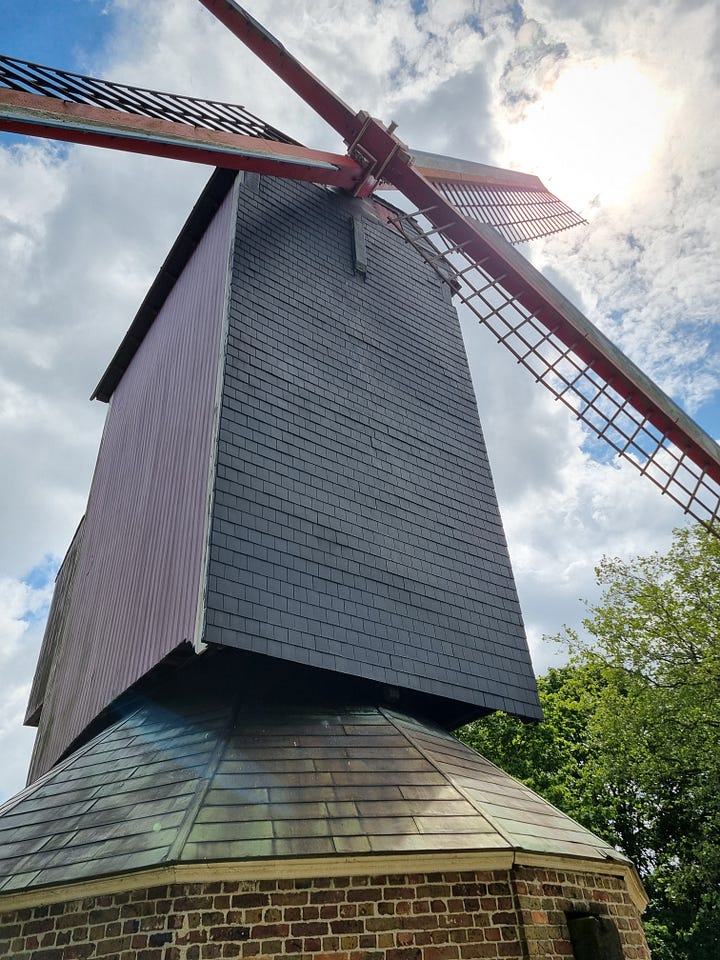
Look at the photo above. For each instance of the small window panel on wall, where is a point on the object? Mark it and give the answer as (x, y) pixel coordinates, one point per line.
(594, 938)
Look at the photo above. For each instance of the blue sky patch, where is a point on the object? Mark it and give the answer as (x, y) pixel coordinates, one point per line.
(40, 577)
(43, 573)
(62, 33)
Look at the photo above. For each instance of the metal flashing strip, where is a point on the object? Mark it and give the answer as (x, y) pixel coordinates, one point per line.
(359, 245)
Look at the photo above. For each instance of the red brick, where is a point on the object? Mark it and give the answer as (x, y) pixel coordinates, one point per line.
(346, 926)
(208, 951)
(502, 919)
(310, 928)
(372, 893)
(291, 899)
(39, 926)
(327, 896)
(473, 950)
(447, 952)
(508, 949)
(434, 917)
(250, 900)
(405, 953)
(264, 931)
(398, 893)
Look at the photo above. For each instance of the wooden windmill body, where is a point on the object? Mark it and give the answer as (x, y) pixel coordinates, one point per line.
(291, 579)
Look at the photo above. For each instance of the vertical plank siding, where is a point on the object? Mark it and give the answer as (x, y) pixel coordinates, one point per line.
(55, 627)
(136, 586)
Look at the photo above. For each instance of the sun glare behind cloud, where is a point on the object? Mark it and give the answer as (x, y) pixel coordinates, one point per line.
(594, 134)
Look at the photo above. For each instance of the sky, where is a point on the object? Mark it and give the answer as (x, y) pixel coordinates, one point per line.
(613, 104)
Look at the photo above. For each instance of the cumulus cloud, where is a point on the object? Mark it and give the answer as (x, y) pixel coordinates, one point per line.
(646, 271)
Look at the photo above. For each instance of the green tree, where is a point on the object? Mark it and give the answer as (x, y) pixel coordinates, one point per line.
(630, 744)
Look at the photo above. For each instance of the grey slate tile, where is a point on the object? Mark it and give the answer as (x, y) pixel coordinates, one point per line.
(354, 407)
(251, 797)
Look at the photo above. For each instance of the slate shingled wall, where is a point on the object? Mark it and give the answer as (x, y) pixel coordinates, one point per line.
(355, 524)
(515, 915)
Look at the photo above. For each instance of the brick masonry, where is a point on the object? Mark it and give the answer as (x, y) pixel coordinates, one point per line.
(516, 914)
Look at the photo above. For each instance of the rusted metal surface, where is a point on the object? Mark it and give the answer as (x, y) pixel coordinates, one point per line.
(137, 582)
(232, 761)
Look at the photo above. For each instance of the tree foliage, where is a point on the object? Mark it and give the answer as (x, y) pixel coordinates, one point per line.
(630, 744)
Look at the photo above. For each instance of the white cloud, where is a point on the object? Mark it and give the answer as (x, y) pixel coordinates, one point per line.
(83, 231)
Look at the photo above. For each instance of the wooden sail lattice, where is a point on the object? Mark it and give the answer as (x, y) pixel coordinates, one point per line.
(473, 214)
(34, 78)
(518, 214)
(620, 419)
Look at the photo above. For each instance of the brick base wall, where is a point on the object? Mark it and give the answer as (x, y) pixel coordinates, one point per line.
(517, 914)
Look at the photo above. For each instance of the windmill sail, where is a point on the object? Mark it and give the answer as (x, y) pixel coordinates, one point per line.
(470, 210)
(543, 330)
(293, 504)
(565, 352)
(37, 100)
(23, 76)
(518, 205)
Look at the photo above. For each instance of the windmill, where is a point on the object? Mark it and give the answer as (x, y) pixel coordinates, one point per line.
(291, 579)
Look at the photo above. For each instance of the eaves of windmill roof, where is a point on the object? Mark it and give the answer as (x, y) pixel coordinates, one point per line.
(191, 233)
(218, 769)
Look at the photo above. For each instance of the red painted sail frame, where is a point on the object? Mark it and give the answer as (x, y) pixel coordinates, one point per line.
(31, 114)
(527, 314)
(522, 288)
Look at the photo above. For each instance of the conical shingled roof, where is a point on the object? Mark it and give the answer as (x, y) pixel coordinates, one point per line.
(223, 765)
